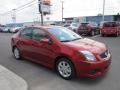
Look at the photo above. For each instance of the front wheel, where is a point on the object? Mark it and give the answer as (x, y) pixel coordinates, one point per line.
(65, 68)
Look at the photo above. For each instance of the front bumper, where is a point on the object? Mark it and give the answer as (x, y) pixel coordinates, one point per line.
(93, 69)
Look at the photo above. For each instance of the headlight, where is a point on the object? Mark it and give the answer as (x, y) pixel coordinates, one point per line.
(88, 55)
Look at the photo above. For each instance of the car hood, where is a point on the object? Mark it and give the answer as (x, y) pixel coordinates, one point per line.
(87, 44)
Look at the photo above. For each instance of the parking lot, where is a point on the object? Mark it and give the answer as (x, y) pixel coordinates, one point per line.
(41, 78)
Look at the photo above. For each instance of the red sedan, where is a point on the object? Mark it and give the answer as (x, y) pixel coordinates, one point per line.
(63, 50)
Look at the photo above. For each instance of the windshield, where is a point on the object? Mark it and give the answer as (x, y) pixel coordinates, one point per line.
(64, 34)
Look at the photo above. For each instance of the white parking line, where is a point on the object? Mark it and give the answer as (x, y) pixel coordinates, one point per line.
(11, 81)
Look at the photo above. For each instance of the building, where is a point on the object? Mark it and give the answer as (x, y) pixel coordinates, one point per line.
(33, 23)
(14, 25)
(94, 19)
(22, 24)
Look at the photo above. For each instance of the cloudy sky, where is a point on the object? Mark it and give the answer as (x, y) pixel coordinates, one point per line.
(72, 8)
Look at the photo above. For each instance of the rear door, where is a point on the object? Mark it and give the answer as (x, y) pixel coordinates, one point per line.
(25, 42)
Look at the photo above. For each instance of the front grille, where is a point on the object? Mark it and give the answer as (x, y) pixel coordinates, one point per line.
(104, 54)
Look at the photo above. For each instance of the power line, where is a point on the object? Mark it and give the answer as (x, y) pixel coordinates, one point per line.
(26, 7)
(26, 4)
(22, 6)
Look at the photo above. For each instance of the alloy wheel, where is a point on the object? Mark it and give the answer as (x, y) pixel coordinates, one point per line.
(64, 69)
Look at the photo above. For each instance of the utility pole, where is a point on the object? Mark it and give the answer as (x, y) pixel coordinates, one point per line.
(103, 17)
(14, 16)
(0, 18)
(62, 10)
(40, 3)
(42, 23)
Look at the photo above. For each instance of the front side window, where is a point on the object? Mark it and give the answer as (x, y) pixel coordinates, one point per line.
(26, 33)
(64, 34)
(39, 34)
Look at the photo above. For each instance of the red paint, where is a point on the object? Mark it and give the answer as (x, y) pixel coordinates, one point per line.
(87, 28)
(110, 28)
(47, 53)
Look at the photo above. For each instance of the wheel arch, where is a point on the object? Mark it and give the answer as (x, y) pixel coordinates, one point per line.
(13, 47)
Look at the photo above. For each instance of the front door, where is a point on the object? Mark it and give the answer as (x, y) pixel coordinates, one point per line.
(42, 52)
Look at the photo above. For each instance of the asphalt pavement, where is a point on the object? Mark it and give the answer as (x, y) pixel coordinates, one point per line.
(42, 78)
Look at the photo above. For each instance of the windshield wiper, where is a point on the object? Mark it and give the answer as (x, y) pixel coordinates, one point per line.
(71, 40)
(76, 39)
(66, 41)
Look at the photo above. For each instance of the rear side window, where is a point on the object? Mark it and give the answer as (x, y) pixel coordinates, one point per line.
(84, 24)
(110, 24)
(26, 33)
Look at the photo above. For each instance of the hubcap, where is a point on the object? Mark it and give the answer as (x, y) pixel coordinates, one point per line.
(64, 69)
(16, 53)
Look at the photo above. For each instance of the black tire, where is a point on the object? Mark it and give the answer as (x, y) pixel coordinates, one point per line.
(16, 53)
(60, 72)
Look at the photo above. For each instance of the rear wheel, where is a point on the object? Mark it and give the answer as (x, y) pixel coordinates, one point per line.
(16, 53)
(65, 68)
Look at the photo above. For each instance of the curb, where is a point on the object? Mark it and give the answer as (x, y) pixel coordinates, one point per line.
(11, 81)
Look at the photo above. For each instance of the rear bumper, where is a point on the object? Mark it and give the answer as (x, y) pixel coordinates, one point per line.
(83, 31)
(109, 33)
(93, 69)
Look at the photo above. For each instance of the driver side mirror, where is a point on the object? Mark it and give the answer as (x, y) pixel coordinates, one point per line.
(46, 40)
